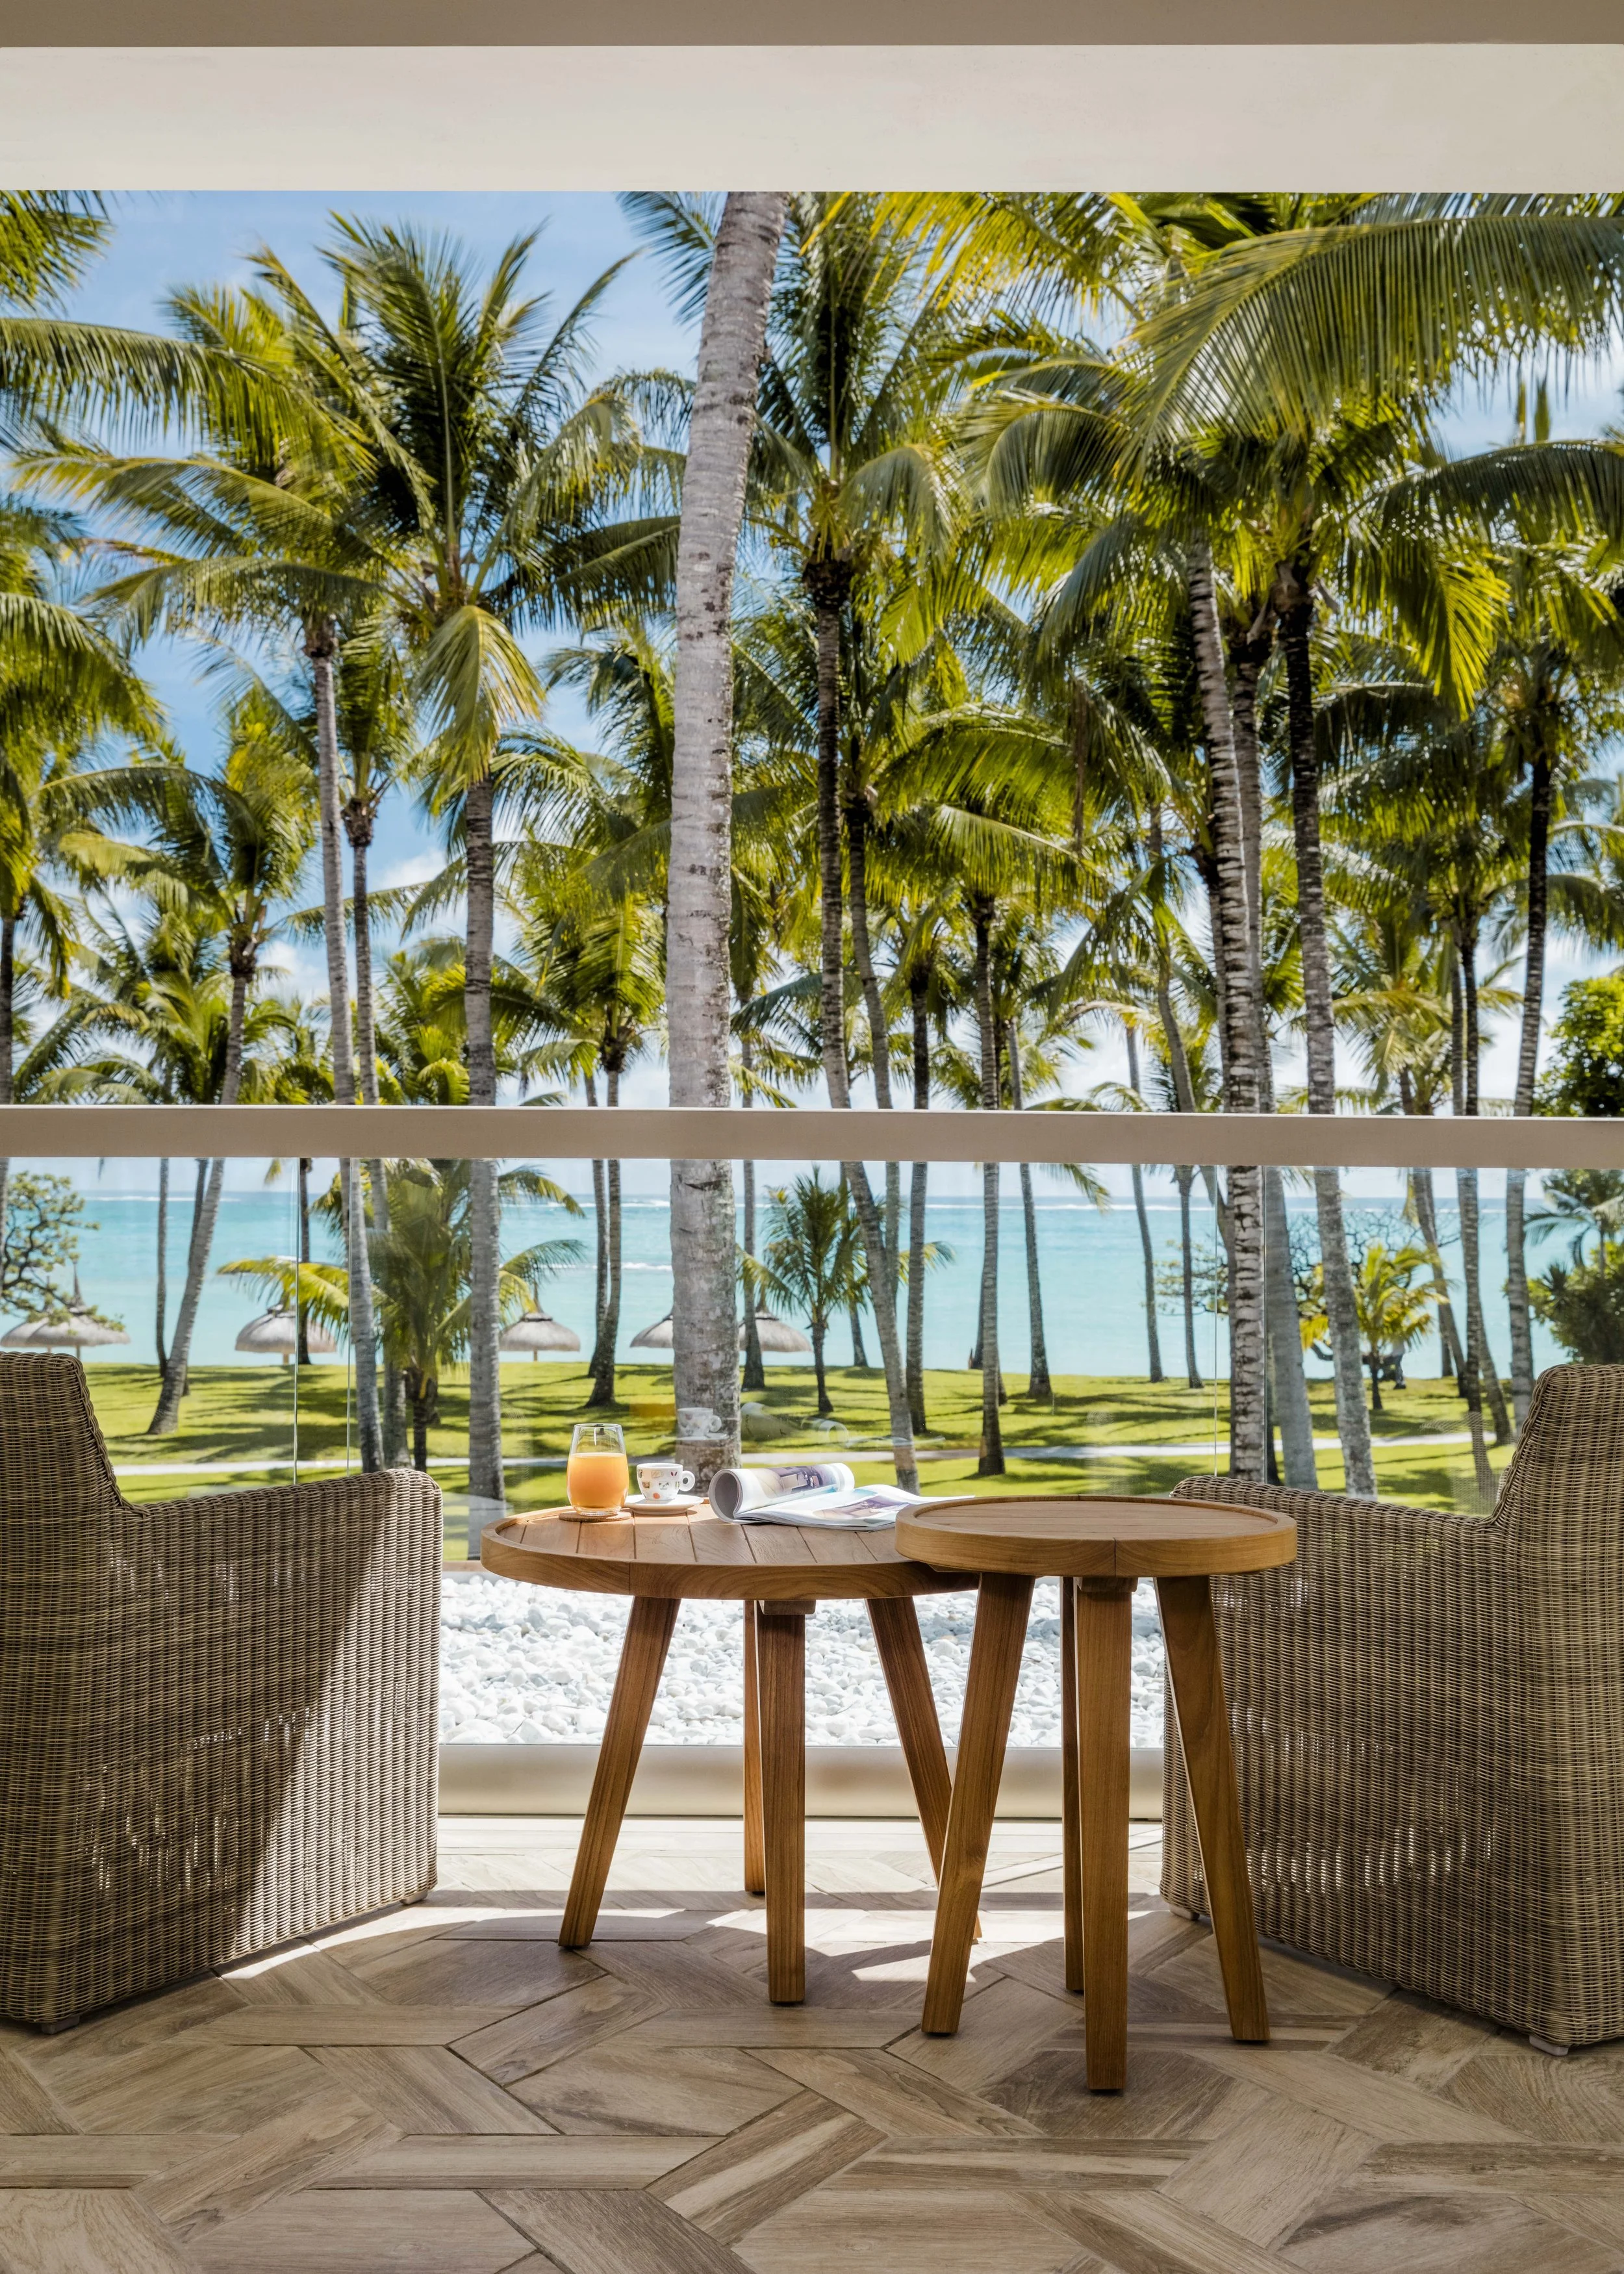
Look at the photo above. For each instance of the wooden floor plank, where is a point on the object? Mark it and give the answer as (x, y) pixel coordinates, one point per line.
(95, 2159)
(451, 2232)
(85, 2231)
(295, 2150)
(583, 2233)
(766, 2165)
(898, 2099)
(521, 2044)
(354, 2025)
(1264, 2175)
(832, 2229)
(424, 2089)
(635, 2086)
(529, 2160)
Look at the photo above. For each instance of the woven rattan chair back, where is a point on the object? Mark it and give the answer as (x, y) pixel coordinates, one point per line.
(1428, 1716)
(217, 1716)
(1568, 1473)
(53, 1464)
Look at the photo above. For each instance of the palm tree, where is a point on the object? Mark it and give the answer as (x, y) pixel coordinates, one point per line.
(423, 1268)
(231, 847)
(813, 1262)
(735, 274)
(846, 459)
(62, 683)
(483, 465)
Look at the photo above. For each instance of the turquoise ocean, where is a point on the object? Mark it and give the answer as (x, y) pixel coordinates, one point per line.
(1089, 1261)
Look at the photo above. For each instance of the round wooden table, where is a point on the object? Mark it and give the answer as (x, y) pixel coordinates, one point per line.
(1097, 1548)
(780, 1574)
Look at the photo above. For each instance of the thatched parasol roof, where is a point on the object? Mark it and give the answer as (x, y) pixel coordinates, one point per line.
(276, 1334)
(655, 1337)
(74, 1327)
(776, 1334)
(536, 1332)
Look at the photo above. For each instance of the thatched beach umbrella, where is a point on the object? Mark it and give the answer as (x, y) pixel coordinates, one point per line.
(775, 1334)
(74, 1327)
(276, 1334)
(657, 1336)
(536, 1332)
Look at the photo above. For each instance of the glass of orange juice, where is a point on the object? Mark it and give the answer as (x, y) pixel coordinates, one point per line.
(598, 1476)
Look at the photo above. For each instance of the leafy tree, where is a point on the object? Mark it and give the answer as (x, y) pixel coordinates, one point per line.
(44, 1217)
(813, 1260)
(1586, 1075)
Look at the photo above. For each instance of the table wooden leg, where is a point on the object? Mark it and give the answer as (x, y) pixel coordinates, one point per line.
(1070, 1798)
(754, 1857)
(1197, 1677)
(984, 1732)
(781, 1672)
(907, 1680)
(642, 1658)
(1104, 1616)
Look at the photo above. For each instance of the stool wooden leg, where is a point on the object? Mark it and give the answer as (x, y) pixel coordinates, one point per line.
(1070, 1798)
(1104, 1689)
(912, 1702)
(754, 1857)
(984, 1735)
(1197, 1677)
(642, 1658)
(781, 1672)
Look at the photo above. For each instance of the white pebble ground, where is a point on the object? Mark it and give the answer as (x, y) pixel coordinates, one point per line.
(528, 1665)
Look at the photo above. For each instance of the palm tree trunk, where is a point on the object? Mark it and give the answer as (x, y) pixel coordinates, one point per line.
(1288, 1406)
(1185, 1178)
(321, 648)
(918, 1191)
(1476, 1326)
(1038, 1383)
(1296, 615)
(828, 581)
(609, 1332)
(301, 1355)
(859, 1356)
(8, 1015)
(721, 429)
(161, 1289)
(1240, 1024)
(991, 1463)
(166, 1420)
(1147, 1249)
(1427, 1217)
(819, 1330)
(874, 1008)
(755, 1370)
(600, 1240)
(1522, 1099)
(484, 1209)
(358, 828)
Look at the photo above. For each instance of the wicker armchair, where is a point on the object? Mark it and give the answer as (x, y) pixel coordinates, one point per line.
(217, 1716)
(1428, 1716)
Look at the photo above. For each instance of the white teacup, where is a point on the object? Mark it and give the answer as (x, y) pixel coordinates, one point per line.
(661, 1482)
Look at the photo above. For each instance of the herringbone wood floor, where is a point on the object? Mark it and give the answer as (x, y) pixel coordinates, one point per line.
(444, 2091)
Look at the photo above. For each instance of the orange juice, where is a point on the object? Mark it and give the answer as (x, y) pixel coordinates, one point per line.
(597, 1481)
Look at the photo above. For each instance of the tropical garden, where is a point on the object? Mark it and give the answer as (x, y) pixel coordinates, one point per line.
(1035, 625)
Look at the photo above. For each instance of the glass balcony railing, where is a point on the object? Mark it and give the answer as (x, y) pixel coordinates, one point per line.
(1113, 1354)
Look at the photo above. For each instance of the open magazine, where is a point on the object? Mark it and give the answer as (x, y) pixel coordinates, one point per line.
(823, 1492)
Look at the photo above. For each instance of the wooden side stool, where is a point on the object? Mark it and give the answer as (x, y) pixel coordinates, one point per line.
(1098, 1549)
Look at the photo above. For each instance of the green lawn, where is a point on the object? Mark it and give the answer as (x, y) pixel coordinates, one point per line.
(244, 1414)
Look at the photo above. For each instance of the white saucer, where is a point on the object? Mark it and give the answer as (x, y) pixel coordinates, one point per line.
(683, 1505)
